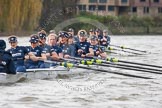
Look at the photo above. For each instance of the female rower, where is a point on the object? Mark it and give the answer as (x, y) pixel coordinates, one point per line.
(42, 38)
(67, 49)
(91, 32)
(97, 49)
(6, 62)
(85, 46)
(71, 34)
(36, 62)
(18, 54)
(106, 38)
(53, 51)
(103, 40)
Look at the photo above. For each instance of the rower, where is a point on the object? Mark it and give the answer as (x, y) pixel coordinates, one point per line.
(18, 54)
(71, 34)
(74, 45)
(103, 40)
(37, 61)
(91, 32)
(106, 39)
(86, 51)
(99, 51)
(99, 36)
(6, 62)
(42, 38)
(67, 49)
(53, 51)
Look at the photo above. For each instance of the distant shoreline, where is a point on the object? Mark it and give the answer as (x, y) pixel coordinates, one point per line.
(28, 34)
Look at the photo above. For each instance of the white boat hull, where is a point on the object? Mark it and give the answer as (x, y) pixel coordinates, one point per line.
(44, 73)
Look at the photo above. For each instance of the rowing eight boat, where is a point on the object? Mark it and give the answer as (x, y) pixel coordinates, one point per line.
(41, 73)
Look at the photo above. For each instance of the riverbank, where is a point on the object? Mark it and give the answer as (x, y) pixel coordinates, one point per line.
(125, 25)
(113, 31)
(121, 25)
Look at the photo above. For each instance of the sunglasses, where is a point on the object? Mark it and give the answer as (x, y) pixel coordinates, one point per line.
(12, 42)
(33, 43)
(42, 38)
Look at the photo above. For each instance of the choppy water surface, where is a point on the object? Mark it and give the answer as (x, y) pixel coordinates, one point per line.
(95, 89)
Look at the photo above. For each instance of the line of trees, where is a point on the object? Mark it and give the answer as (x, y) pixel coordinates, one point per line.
(56, 11)
(28, 15)
(19, 15)
(31, 15)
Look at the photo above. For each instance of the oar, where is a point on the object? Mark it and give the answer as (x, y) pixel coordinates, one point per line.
(122, 66)
(110, 48)
(113, 72)
(123, 47)
(132, 66)
(70, 65)
(122, 61)
(99, 62)
(108, 51)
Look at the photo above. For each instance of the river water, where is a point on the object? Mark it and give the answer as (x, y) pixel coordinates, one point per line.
(94, 90)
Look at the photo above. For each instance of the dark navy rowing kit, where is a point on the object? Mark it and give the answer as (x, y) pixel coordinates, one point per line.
(102, 42)
(18, 56)
(96, 48)
(30, 64)
(6, 63)
(68, 49)
(85, 47)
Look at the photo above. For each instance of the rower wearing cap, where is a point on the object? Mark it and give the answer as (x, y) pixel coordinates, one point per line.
(6, 62)
(42, 38)
(98, 50)
(99, 36)
(103, 40)
(73, 41)
(106, 38)
(18, 54)
(67, 49)
(37, 61)
(86, 51)
(91, 32)
(71, 33)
